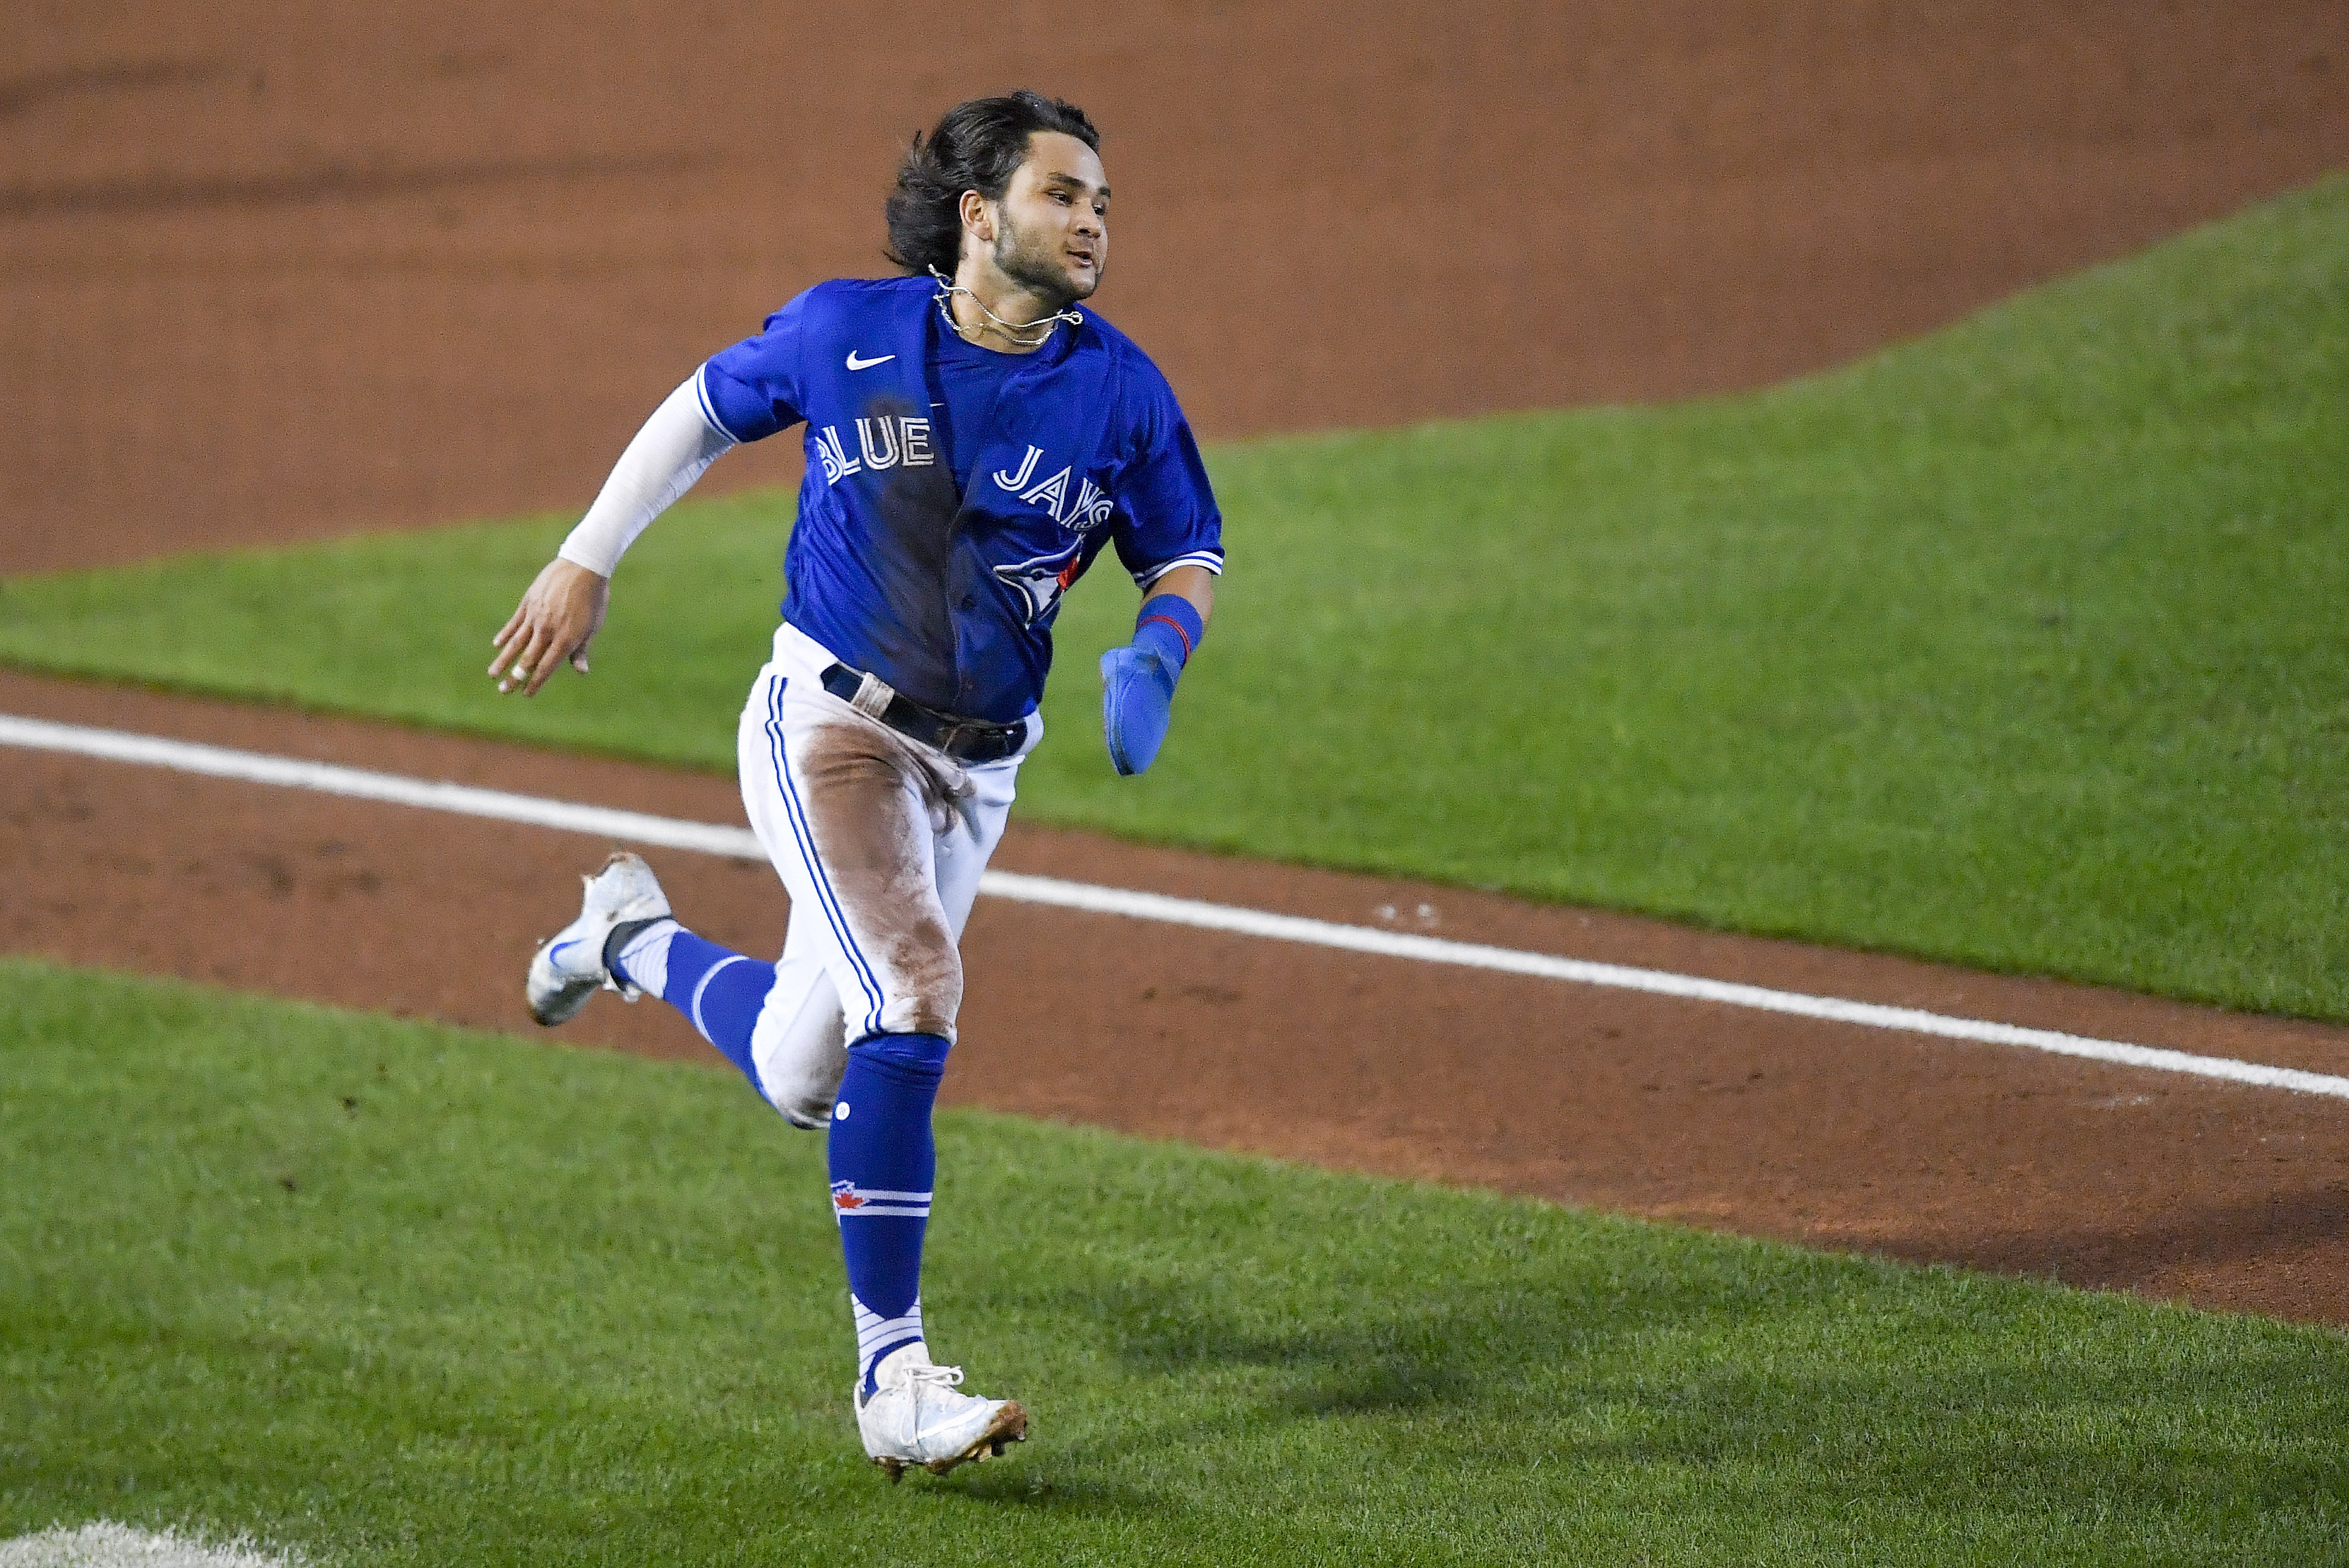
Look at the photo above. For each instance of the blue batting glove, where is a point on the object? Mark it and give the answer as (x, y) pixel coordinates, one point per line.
(1138, 681)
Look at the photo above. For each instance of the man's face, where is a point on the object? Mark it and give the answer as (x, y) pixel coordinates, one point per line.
(1051, 230)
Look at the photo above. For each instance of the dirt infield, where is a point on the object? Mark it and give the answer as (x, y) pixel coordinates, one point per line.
(1826, 1134)
(271, 270)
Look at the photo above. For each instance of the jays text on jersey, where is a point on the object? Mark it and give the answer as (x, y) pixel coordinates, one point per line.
(949, 592)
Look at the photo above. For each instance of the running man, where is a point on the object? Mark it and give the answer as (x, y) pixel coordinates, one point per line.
(974, 441)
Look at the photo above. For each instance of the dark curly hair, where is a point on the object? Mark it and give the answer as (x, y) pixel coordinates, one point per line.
(976, 146)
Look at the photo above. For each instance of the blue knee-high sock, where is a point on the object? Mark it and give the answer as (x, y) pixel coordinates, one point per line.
(719, 989)
(883, 1163)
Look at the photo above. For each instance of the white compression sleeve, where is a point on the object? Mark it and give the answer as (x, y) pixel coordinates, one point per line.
(673, 449)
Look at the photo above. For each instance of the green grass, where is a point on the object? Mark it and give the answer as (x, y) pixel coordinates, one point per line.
(393, 1294)
(2018, 646)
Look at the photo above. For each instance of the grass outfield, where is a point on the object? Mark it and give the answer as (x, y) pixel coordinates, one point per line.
(2018, 646)
(397, 1294)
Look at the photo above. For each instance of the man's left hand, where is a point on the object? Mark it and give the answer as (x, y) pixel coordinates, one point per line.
(1137, 703)
(1138, 682)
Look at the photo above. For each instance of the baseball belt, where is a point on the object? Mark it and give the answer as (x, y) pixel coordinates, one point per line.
(965, 739)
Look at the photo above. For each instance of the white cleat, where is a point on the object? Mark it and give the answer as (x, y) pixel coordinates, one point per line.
(569, 968)
(917, 1418)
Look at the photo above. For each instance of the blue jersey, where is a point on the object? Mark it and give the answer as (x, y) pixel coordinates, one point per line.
(949, 501)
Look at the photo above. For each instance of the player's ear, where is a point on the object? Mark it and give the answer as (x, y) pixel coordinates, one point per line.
(977, 217)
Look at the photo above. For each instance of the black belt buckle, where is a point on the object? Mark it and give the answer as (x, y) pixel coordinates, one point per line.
(975, 740)
(971, 742)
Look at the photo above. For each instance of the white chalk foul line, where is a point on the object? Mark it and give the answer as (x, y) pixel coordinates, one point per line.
(360, 783)
(712, 838)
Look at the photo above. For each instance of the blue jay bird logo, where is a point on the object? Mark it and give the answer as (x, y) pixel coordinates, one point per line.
(1042, 581)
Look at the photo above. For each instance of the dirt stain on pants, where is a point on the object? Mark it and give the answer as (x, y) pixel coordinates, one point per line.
(876, 804)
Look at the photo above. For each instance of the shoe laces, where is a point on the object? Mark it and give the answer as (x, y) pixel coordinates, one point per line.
(943, 1376)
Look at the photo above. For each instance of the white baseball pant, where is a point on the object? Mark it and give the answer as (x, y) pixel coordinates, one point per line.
(880, 841)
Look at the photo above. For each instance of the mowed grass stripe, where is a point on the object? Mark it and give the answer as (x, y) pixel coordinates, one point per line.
(396, 1294)
(2012, 647)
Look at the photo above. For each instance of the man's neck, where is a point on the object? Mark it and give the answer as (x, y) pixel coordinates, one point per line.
(1006, 301)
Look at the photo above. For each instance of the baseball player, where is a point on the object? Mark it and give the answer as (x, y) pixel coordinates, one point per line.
(974, 440)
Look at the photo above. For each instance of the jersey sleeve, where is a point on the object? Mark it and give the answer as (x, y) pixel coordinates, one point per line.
(1166, 512)
(752, 390)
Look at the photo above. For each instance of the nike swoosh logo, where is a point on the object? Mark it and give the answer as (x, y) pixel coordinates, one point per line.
(856, 364)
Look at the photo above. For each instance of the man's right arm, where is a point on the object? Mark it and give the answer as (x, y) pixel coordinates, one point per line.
(560, 615)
